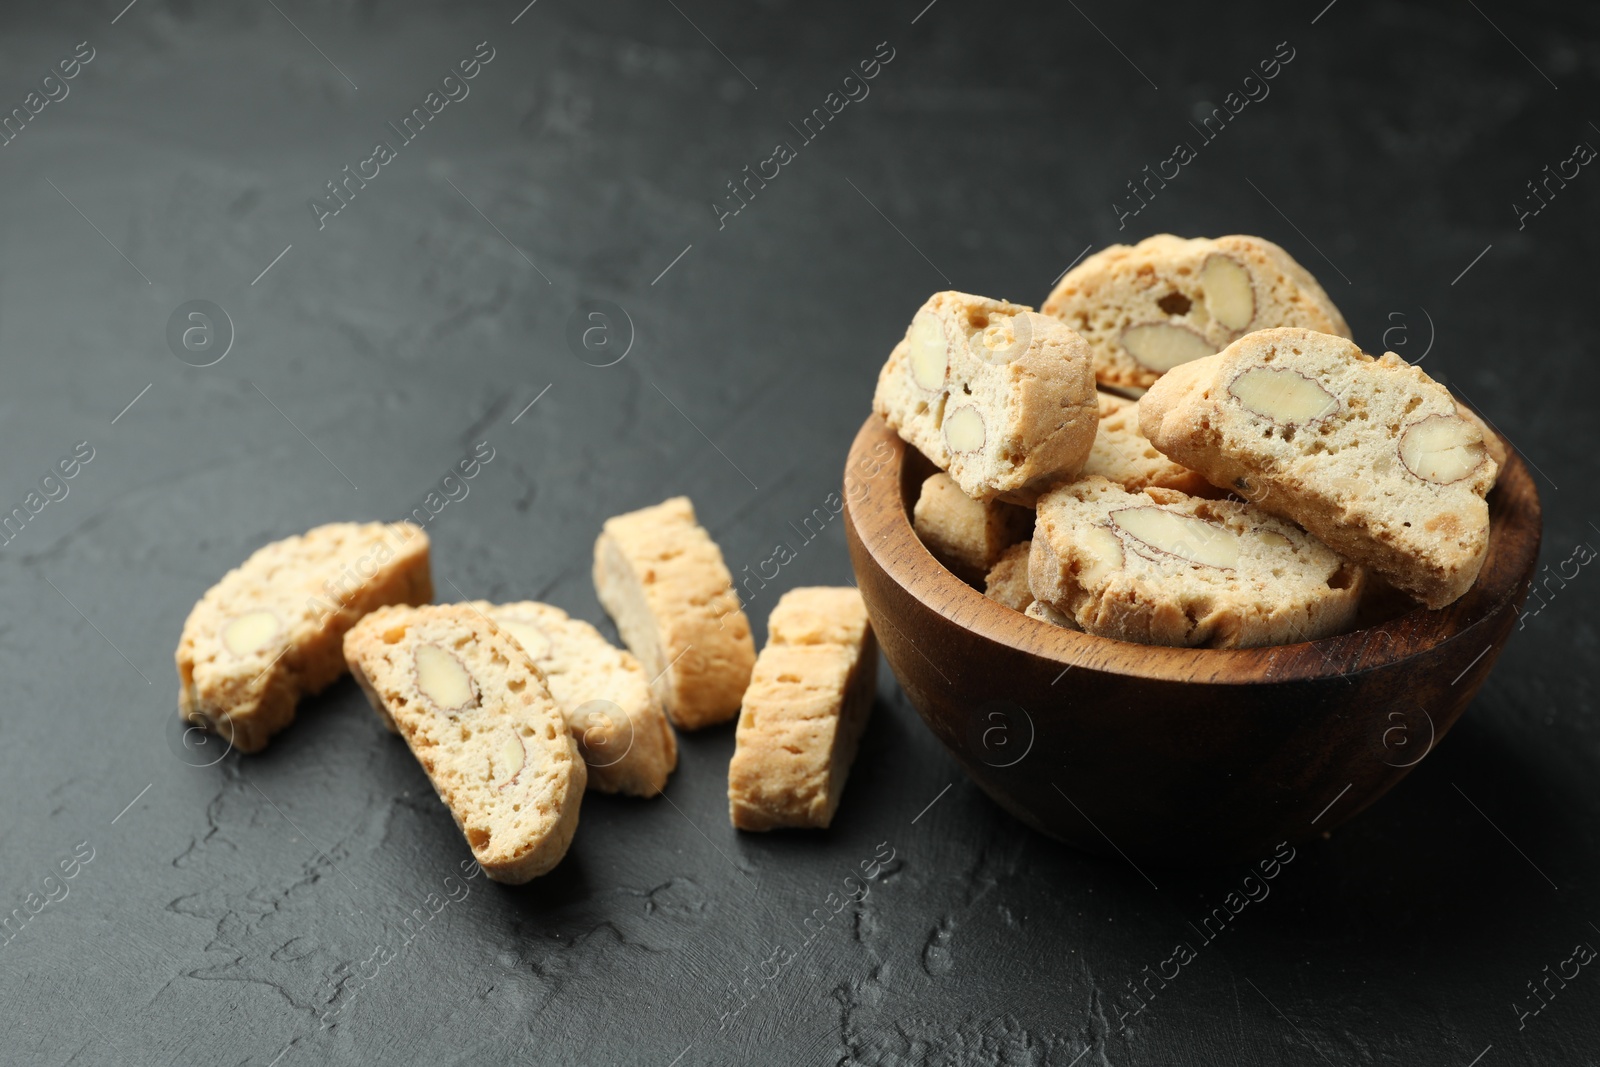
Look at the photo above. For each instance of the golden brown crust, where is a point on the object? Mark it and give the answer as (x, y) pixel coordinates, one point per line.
(503, 762)
(286, 610)
(663, 581)
(803, 715)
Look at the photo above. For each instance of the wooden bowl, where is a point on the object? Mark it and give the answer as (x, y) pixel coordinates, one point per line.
(1172, 755)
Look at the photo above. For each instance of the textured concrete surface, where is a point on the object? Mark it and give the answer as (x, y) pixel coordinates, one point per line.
(253, 911)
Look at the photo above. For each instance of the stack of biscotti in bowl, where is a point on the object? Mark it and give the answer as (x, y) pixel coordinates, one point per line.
(1185, 448)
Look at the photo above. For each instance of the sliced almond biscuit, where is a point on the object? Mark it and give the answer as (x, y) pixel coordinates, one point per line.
(966, 535)
(269, 632)
(662, 579)
(997, 395)
(475, 712)
(604, 693)
(1149, 307)
(1122, 454)
(1007, 580)
(805, 710)
(1161, 568)
(1371, 455)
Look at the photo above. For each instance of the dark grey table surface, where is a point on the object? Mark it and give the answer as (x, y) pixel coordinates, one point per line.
(251, 911)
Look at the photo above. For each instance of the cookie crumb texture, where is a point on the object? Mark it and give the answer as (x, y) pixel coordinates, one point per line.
(1124, 455)
(1370, 455)
(475, 712)
(805, 711)
(968, 536)
(1147, 308)
(1007, 580)
(663, 581)
(269, 632)
(603, 692)
(1158, 567)
(996, 394)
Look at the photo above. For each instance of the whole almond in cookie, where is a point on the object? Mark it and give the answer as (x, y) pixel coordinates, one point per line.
(1159, 567)
(1371, 456)
(995, 394)
(1166, 301)
(475, 712)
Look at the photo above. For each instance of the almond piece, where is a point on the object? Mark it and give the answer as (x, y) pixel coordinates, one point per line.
(250, 632)
(1442, 449)
(930, 352)
(443, 680)
(1285, 396)
(534, 641)
(1184, 536)
(1230, 295)
(1101, 550)
(509, 758)
(964, 429)
(1160, 346)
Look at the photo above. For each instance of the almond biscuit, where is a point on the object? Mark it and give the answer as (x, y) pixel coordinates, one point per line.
(803, 715)
(269, 632)
(966, 535)
(474, 710)
(995, 394)
(1149, 307)
(662, 579)
(1370, 455)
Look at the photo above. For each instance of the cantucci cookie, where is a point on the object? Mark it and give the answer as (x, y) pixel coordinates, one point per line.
(803, 715)
(1122, 454)
(1007, 580)
(1371, 456)
(994, 393)
(964, 534)
(604, 693)
(1161, 568)
(1149, 307)
(662, 579)
(475, 712)
(269, 633)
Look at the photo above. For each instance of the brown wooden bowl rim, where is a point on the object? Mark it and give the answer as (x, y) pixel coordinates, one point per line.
(887, 535)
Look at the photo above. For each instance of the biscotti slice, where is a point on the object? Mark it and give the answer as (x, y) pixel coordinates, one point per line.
(604, 693)
(475, 712)
(1161, 568)
(964, 534)
(1122, 454)
(1007, 580)
(803, 715)
(1149, 307)
(996, 394)
(1370, 455)
(269, 633)
(663, 581)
